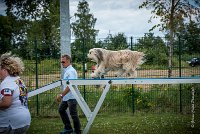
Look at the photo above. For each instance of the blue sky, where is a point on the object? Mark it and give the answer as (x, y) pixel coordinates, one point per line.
(2, 8)
(115, 16)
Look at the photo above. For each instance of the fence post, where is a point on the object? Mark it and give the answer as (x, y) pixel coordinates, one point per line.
(180, 86)
(84, 92)
(36, 73)
(132, 89)
(131, 43)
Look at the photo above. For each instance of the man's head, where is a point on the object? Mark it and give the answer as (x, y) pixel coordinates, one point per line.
(66, 60)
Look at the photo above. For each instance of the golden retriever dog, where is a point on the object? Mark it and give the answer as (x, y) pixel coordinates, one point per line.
(122, 61)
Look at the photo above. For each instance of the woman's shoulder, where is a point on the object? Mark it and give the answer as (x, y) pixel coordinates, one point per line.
(9, 82)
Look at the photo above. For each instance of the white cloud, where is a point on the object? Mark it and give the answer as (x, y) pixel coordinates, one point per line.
(122, 16)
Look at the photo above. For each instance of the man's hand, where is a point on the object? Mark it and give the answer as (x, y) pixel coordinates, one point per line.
(59, 98)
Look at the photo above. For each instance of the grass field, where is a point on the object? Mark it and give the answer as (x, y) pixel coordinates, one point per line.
(124, 124)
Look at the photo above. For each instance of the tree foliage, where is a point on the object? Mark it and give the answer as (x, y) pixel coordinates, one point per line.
(83, 30)
(192, 38)
(173, 15)
(114, 42)
(85, 22)
(34, 20)
(154, 49)
(5, 34)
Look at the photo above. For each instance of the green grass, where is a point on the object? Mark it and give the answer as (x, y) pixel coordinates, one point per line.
(124, 124)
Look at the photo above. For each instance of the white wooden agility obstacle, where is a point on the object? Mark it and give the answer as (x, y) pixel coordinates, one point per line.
(90, 115)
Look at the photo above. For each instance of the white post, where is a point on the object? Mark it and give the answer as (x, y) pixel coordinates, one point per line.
(65, 32)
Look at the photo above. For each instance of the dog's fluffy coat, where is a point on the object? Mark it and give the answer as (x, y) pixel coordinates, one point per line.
(124, 61)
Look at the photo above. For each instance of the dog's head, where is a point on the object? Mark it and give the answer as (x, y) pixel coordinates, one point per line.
(95, 55)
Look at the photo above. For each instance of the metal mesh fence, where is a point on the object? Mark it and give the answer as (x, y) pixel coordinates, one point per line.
(125, 99)
(121, 98)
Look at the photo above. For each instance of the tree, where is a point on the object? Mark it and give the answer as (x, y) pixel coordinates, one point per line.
(37, 19)
(113, 42)
(83, 29)
(172, 14)
(5, 34)
(116, 42)
(192, 38)
(154, 49)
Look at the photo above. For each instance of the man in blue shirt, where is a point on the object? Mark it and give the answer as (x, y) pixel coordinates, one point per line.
(68, 100)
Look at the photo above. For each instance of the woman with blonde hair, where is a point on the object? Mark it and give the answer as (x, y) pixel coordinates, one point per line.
(14, 115)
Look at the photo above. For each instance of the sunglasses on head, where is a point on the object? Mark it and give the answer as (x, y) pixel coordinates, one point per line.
(62, 61)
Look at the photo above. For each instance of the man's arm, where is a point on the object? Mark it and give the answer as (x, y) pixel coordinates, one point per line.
(60, 96)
